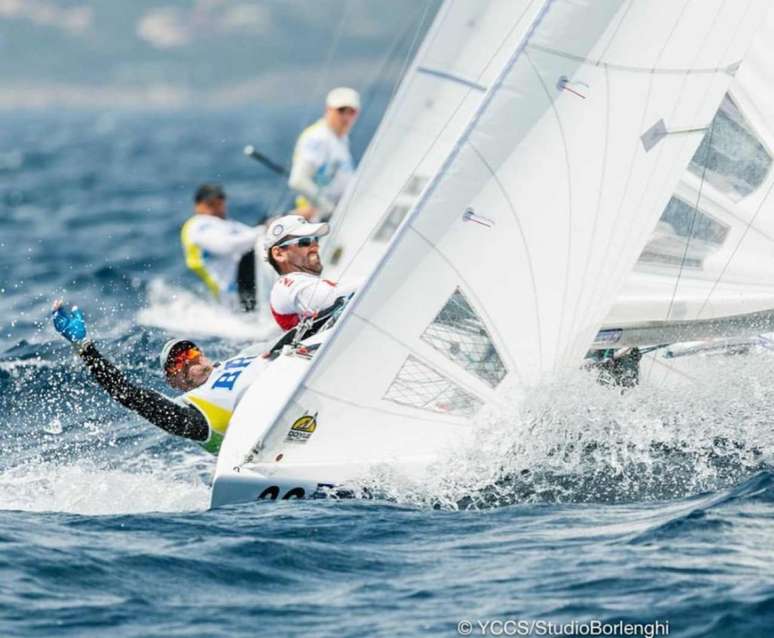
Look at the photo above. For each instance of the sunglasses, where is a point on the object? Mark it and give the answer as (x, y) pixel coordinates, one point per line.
(346, 110)
(304, 242)
(178, 362)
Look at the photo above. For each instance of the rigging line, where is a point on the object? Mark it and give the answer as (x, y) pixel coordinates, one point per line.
(708, 89)
(344, 207)
(695, 216)
(322, 79)
(605, 263)
(752, 220)
(654, 361)
(602, 177)
(530, 265)
(674, 108)
(342, 214)
(411, 50)
(363, 292)
(736, 248)
(617, 28)
(440, 133)
(650, 349)
(736, 217)
(596, 292)
(391, 52)
(452, 375)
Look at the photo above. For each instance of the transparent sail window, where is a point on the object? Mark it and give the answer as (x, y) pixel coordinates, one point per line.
(684, 236)
(419, 386)
(415, 185)
(397, 213)
(458, 333)
(391, 222)
(736, 161)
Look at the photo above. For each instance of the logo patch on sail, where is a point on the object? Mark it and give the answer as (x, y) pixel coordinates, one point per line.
(302, 428)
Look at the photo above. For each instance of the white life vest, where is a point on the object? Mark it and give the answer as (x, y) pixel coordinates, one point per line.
(330, 153)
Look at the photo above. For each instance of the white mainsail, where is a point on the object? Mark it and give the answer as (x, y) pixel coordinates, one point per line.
(507, 265)
(462, 53)
(707, 269)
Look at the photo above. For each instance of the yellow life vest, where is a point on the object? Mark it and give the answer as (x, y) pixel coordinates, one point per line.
(194, 258)
(219, 396)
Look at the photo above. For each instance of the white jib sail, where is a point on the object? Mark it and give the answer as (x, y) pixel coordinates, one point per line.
(508, 263)
(709, 257)
(462, 53)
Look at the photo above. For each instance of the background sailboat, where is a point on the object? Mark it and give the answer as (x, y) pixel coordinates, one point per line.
(706, 269)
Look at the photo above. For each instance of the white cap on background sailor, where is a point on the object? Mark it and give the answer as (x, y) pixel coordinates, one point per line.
(342, 97)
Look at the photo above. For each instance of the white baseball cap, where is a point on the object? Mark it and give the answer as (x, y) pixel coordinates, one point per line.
(343, 96)
(290, 226)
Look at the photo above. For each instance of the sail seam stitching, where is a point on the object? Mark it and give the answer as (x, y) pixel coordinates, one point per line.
(341, 215)
(516, 218)
(729, 68)
(432, 186)
(479, 306)
(344, 209)
(602, 190)
(390, 412)
(422, 358)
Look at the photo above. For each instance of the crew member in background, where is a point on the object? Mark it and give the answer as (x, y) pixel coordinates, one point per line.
(322, 163)
(212, 390)
(616, 367)
(221, 251)
(292, 248)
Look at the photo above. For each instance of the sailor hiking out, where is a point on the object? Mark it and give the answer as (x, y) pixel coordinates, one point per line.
(292, 248)
(322, 163)
(220, 251)
(211, 390)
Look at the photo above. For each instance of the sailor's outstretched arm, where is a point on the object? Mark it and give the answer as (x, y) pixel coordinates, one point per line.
(153, 406)
(149, 404)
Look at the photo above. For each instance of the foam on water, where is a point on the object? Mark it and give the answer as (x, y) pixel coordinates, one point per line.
(83, 487)
(67, 447)
(181, 311)
(707, 425)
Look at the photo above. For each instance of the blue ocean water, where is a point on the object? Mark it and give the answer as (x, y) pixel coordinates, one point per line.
(581, 505)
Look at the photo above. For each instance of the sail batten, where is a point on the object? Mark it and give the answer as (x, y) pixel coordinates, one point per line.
(445, 75)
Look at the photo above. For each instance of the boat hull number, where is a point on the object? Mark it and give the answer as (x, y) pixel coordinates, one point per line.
(272, 493)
